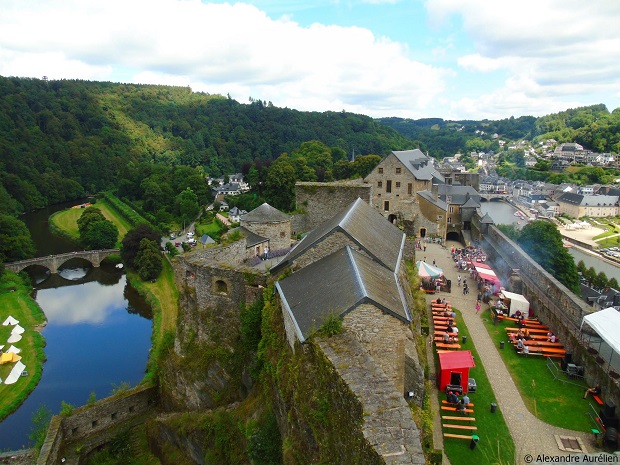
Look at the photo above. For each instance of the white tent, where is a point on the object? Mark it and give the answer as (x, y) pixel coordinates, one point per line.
(517, 302)
(10, 321)
(606, 323)
(17, 330)
(16, 372)
(14, 350)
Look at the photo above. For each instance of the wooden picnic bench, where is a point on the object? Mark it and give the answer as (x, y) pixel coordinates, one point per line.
(457, 436)
(531, 330)
(469, 427)
(542, 344)
(441, 345)
(453, 409)
(447, 417)
(444, 401)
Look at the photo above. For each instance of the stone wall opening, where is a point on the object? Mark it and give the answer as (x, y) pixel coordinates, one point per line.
(221, 287)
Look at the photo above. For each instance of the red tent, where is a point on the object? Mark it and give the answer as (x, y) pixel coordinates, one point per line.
(454, 368)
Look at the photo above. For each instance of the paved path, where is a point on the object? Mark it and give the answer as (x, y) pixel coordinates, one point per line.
(530, 435)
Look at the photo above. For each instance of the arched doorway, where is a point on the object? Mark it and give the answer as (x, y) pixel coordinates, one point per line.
(392, 218)
(453, 236)
(422, 232)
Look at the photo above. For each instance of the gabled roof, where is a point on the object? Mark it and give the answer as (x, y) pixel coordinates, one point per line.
(486, 219)
(265, 213)
(206, 239)
(418, 164)
(459, 195)
(337, 284)
(251, 239)
(429, 197)
(471, 203)
(365, 226)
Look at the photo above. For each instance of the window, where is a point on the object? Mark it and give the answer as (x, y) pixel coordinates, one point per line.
(113, 416)
(451, 209)
(74, 430)
(94, 424)
(397, 170)
(388, 186)
(131, 408)
(409, 188)
(379, 183)
(386, 206)
(221, 287)
(397, 184)
(449, 220)
(380, 170)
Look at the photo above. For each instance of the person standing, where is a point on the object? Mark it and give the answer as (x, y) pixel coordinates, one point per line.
(477, 306)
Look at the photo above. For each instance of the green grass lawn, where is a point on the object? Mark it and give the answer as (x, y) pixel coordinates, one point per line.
(15, 301)
(66, 220)
(209, 228)
(495, 444)
(555, 402)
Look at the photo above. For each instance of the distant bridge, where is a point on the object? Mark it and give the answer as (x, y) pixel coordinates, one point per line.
(54, 262)
(494, 196)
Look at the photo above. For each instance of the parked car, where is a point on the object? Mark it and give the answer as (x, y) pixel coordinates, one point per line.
(178, 244)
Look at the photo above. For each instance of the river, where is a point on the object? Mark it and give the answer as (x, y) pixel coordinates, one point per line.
(98, 335)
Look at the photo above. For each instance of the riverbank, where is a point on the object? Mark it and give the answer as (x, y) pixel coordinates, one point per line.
(15, 301)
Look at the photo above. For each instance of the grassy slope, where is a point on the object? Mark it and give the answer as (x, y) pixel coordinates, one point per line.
(495, 445)
(16, 301)
(66, 220)
(554, 402)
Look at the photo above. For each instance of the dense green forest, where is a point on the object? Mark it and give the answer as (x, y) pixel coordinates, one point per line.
(593, 126)
(61, 139)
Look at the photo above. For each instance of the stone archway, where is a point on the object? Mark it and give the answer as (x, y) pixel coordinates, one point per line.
(422, 232)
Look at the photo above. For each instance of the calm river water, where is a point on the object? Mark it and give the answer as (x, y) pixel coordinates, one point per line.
(98, 335)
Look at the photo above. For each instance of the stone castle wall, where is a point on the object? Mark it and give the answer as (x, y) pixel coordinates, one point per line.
(384, 338)
(279, 233)
(91, 425)
(388, 427)
(321, 201)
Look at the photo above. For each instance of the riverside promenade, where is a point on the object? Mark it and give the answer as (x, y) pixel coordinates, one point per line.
(530, 435)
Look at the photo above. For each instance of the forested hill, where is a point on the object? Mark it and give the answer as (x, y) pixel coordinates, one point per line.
(59, 139)
(593, 126)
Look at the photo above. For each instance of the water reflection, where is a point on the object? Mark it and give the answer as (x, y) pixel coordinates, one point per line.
(98, 335)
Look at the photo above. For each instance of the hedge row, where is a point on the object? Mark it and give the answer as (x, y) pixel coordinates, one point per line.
(133, 217)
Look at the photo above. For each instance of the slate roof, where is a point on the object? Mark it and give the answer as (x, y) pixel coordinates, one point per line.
(486, 219)
(460, 194)
(365, 226)
(337, 284)
(429, 197)
(251, 239)
(206, 239)
(265, 213)
(588, 200)
(471, 203)
(419, 164)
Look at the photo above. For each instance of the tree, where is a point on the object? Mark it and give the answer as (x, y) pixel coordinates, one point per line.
(613, 283)
(131, 242)
(600, 281)
(148, 262)
(15, 240)
(187, 205)
(543, 242)
(88, 217)
(280, 184)
(100, 235)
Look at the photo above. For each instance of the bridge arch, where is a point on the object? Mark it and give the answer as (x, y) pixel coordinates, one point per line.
(54, 262)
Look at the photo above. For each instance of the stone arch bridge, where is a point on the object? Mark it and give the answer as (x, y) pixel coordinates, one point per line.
(54, 262)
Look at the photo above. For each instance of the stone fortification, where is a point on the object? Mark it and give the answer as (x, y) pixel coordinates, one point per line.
(93, 425)
(320, 200)
(384, 338)
(388, 426)
(229, 255)
(202, 372)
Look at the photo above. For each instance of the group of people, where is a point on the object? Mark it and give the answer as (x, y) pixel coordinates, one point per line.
(461, 404)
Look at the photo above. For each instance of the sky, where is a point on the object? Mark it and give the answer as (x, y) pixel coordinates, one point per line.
(451, 59)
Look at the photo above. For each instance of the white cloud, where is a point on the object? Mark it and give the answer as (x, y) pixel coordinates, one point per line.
(557, 53)
(218, 48)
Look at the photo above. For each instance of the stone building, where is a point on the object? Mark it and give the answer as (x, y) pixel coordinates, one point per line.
(268, 223)
(395, 182)
(352, 268)
(451, 207)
